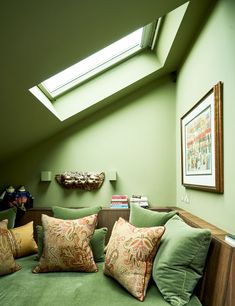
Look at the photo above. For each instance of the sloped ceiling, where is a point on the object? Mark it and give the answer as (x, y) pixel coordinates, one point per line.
(41, 38)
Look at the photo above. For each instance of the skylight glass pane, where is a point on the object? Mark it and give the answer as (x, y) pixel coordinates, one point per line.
(90, 63)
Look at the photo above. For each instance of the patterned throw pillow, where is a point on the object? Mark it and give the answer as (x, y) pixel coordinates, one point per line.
(97, 242)
(22, 240)
(7, 262)
(4, 224)
(129, 256)
(98, 239)
(67, 245)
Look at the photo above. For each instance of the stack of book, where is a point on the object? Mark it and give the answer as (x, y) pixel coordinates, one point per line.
(230, 239)
(119, 201)
(139, 200)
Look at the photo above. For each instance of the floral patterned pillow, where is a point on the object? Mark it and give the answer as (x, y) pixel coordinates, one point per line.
(129, 256)
(67, 245)
(4, 223)
(7, 262)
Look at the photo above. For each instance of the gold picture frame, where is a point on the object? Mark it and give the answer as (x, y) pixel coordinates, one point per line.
(202, 143)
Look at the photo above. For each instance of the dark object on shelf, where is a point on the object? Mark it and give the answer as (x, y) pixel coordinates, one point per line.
(19, 198)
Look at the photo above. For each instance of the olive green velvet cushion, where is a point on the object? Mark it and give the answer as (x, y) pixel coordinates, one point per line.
(180, 260)
(142, 217)
(73, 213)
(40, 236)
(10, 215)
(98, 243)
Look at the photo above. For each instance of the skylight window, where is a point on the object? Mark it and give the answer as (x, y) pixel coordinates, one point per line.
(96, 63)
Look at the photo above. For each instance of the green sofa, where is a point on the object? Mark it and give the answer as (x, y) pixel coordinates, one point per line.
(24, 288)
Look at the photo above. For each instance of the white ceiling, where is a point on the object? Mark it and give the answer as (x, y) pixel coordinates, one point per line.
(41, 38)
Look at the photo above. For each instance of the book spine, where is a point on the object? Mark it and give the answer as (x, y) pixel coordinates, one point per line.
(231, 236)
(120, 206)
(139, 202)
(143, 199)
(230, 240)
(119, 203)
(119, 200)
(116, 197)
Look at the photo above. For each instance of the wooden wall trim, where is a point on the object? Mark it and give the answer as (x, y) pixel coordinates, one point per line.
(230, 296)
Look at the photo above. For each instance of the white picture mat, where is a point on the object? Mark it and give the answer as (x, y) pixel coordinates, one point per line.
(200, 179)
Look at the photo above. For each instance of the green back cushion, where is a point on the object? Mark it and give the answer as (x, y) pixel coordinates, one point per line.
(10, 215)
(142, 217)
(98, 243)
(71, 213)
(40, 236)
(180, 260)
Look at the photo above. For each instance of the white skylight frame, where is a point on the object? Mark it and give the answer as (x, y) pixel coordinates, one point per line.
(76, 74)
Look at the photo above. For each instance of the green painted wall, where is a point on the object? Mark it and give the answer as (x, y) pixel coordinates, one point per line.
(134, 136)
(211, 60)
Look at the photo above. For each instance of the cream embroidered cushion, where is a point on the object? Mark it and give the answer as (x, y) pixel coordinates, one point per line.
(7, 262)
(4, 223)
(67, 245)
(129, 256)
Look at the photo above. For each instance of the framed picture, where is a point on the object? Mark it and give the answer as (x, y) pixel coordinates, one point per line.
(202, 143)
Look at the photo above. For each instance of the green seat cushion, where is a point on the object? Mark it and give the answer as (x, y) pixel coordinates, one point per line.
(142, 217)
(180, 260)
(24, 288)
(73, 213)
(10, 215)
